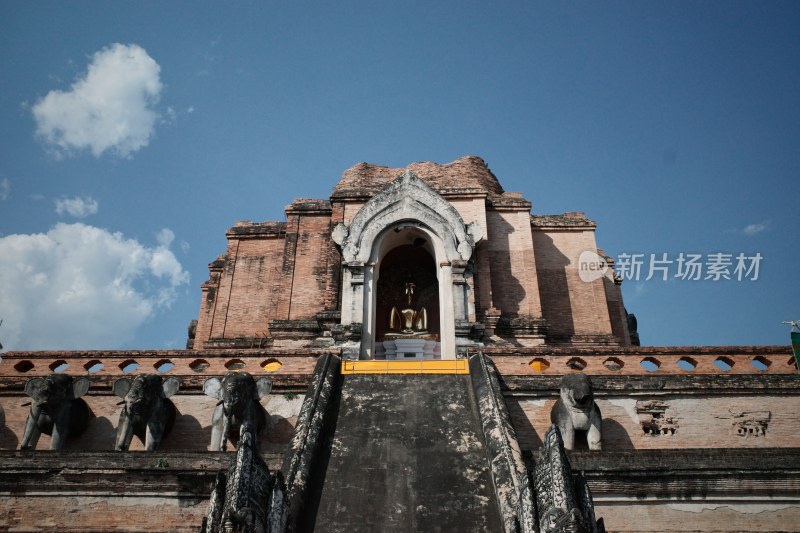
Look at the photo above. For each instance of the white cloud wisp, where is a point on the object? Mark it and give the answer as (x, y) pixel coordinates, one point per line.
(111, 108)
(80, 287)
(77, 207)
(755, 229)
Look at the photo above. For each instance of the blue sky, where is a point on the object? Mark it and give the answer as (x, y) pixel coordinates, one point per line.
(132, 135)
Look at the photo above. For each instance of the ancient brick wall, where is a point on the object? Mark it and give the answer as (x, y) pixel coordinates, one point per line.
(694, 490)
(570, 306)
(88, 487)
(311, 286)
(99, 492)
(515, 287)
(616, 309)
(473, 209)
(208, 303)
(525, 266)
(734, 397)
(663, 398)
(710, 516)
(221, 303)
(191, 432)
(734, 402)
(245, 300)
(289, 371)
(674, 421)
(271, 271)
(350, 209)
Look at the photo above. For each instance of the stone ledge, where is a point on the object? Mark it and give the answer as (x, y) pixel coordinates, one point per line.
(691, 473)
(130, 473)
(697, 385)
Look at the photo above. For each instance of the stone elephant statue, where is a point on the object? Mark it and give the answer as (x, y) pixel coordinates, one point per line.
(238, 394)
(148, 412)
(576, 410)
(56, 409)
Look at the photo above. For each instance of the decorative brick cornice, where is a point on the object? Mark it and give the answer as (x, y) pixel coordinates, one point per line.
(192, 366)
(509, 201)
(257, 229)
(572, 220)
(309, 207)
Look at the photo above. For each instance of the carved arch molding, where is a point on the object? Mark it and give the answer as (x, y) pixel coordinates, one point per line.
(407, 199)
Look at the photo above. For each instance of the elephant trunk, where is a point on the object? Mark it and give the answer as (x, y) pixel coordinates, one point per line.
(124, 430)
(226, 430)
(32, 431)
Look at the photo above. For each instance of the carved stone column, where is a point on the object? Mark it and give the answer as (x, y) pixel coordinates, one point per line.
(352, 292)
(460, 290)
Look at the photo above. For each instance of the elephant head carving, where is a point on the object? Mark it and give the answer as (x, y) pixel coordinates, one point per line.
(577, 410)
(56, 409)
(148, 412)
(238, 394)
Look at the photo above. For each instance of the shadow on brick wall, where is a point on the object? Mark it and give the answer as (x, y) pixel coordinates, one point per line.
(8, 439)
(551, 267)
(615, 436)
(507, 291)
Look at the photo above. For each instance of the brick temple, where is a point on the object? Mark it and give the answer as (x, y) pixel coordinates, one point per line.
(408, 339)
(486, 266)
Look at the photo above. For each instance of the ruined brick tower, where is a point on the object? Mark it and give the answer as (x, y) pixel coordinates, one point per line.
(417, 352)
(493, 272)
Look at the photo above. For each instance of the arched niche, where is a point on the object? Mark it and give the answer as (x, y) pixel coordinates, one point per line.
(405, 252)
(405, 210)
(407, 263)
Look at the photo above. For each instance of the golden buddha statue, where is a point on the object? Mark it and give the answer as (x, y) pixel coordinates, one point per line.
(409, 321)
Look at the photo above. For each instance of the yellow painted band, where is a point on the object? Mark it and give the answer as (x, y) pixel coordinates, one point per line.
(438, 366)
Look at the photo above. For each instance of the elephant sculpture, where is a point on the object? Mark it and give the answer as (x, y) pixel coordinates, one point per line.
(56, 409)
(148, 412)
(577, 410)
(238, 394)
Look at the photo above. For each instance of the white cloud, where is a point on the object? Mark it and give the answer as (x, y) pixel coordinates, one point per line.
(111, 108)
(754, 229)
(165, 237)
(5, 189)
(77, 207)
(78, 287)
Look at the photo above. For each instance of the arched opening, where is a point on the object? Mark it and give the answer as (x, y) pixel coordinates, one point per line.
(407, 300)
(406, 257)
(405, 212)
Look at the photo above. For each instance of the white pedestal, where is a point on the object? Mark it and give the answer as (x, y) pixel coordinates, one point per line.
(411, 348)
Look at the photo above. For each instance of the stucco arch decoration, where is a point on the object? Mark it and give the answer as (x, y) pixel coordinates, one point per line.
(407, 198)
